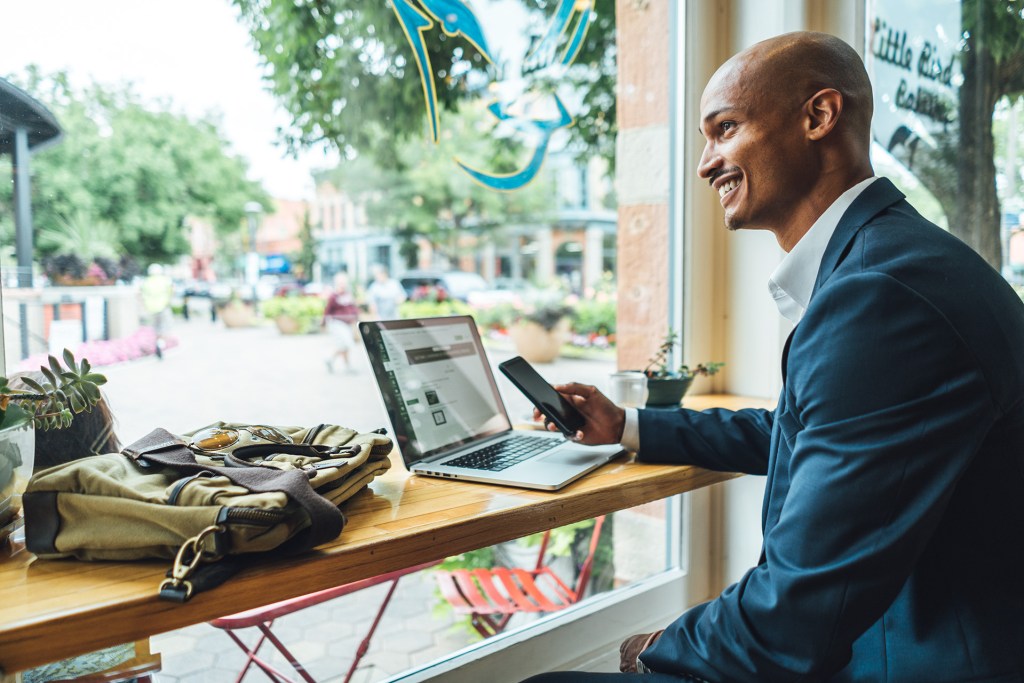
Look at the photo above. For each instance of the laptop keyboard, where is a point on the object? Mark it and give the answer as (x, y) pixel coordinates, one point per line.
(504, 454)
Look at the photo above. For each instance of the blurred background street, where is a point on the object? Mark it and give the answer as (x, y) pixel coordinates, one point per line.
(256, 374)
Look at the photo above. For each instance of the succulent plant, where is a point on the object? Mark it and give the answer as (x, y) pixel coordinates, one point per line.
(53, 402)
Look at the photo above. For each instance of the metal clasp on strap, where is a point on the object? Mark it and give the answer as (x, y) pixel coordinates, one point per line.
(190, 554)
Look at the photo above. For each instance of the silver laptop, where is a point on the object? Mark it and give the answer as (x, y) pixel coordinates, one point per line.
(448, 417)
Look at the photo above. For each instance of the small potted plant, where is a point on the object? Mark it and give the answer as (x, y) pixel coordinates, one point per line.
(667, 387)
(50, 403)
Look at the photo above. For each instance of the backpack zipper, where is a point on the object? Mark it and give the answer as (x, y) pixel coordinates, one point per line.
(254, 515)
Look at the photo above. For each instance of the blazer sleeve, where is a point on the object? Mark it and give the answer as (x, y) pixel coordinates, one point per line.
(716, 439)
(887, 407)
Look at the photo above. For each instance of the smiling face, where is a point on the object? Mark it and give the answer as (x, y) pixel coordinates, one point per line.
(757, 156)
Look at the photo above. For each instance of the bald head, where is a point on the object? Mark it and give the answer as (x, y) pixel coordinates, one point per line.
(793, 66)
(787, 128)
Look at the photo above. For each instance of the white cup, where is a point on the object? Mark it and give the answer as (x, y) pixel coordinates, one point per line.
(628, 389)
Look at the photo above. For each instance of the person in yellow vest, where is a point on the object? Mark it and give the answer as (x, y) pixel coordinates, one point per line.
(156, 301)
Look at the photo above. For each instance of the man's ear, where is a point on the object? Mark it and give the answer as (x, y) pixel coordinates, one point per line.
(823, 110)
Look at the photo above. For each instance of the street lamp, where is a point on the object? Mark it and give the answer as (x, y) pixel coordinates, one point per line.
(252, 259)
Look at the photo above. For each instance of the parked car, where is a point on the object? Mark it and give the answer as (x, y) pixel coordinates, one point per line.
(504, 290)
(456, 283)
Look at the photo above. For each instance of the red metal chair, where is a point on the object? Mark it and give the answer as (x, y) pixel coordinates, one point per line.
(263, 618)
(492, 596)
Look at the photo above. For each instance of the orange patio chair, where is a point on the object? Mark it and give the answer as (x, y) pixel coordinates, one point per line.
(492, 596)
(263, 618)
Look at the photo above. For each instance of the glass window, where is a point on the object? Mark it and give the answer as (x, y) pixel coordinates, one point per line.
(292, 142)
(948, 85)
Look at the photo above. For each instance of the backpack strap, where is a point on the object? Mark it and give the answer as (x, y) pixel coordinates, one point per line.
(160, 447)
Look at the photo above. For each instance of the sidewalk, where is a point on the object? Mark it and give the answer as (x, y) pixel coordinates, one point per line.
(257, 375)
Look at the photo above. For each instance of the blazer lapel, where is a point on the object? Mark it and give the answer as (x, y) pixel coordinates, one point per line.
(785, 354)
(878, 196)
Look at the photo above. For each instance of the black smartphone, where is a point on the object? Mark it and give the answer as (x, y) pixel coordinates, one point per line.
(555, 407)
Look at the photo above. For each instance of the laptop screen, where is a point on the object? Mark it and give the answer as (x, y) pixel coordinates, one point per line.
(437, 385)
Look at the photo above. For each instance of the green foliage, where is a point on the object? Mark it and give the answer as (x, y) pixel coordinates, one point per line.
(308, 311)
(562, 539)
(593, 74)
(80, 234)
(344, 71)
(547, 314)
(498, 316)
(346, 74)
(997, 27)
(431, 198)
(52, 403)
(593, 316)
(426, 308)
(657, 366)
(126, 174)
(957, 167)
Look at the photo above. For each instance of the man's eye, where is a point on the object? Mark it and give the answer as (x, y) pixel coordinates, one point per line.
(728, 125)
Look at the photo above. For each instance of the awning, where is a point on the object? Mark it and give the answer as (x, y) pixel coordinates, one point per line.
(18, 109)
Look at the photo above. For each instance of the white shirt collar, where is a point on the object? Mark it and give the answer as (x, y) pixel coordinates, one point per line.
(793, 280)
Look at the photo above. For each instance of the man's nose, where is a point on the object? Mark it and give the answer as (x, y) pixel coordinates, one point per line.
(709, 161)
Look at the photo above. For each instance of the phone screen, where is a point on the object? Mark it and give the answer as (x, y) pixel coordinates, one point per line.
(548, 401)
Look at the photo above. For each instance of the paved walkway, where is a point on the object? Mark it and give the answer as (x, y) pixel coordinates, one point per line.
(257, 375)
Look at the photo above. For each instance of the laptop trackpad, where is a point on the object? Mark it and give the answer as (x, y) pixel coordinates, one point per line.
(575, 455)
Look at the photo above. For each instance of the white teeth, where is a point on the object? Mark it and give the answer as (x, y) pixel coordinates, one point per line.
(727, 187)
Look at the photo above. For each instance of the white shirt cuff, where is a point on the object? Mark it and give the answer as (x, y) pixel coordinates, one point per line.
(631, 431)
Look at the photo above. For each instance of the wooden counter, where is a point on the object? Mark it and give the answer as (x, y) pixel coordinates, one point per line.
(51, 610)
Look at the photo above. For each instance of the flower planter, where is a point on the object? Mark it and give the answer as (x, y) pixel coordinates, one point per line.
(237, 314)
(536, 344)
(667, 391)
(288, 324)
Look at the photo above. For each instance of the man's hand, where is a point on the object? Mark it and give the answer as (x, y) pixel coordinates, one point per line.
(605, 420)
(632, 647)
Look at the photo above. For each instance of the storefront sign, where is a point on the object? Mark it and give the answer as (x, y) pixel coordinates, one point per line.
(912, 60)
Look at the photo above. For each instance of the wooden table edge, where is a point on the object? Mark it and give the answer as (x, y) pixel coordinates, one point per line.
(60, 633)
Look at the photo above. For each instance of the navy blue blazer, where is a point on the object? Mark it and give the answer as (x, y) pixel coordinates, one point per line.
(893, 512)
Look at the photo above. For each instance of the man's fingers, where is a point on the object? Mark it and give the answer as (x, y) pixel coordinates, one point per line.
(577, 389)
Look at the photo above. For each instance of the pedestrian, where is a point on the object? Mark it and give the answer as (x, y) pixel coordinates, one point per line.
(894, 498)
(385, 294)
(340, 314)
(156, 300)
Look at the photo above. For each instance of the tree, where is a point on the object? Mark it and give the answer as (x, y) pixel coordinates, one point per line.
(125, 175)
(432, 200)
(960, 170)
(993, 68)
(345, 72)
(305, 258)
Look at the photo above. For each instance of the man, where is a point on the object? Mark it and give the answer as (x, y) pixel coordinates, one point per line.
(385, 294)
(893, 514)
